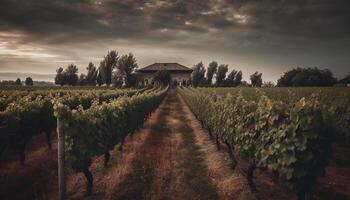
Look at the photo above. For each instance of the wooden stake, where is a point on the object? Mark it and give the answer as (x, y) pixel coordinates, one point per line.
(61, 169)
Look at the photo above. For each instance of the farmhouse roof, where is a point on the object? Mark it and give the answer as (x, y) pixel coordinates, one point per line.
(165, 66)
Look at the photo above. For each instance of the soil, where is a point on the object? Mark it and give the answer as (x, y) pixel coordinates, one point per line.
(36, 178)
(171, 157)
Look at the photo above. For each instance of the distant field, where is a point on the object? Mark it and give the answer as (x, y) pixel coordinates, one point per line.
(327, 95)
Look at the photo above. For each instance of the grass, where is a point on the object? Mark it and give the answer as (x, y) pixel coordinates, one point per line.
(195, 170)
(135, 183)
(138, 182)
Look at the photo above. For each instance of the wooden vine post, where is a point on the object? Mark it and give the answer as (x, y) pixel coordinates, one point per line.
(61, 168)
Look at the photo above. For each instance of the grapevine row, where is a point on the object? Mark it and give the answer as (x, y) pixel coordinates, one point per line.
(32, 113)
(291, 140)
(95, 131)
(334, 103)
(11, 96)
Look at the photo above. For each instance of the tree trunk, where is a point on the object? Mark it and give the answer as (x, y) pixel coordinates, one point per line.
(132, 133)
(2, 147)
(210, 133)
(89, 180)
(217, 142)
(61, 167)
(107, 156)
(303, 195)
(48, 138)
(202, 123)
(22, 154)
(232, 156)
(250, 176)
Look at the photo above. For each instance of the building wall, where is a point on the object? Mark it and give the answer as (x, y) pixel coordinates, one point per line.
(179, 77)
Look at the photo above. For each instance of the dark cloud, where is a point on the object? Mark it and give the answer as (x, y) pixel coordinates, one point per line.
(309, 18)
(260, 29)
(60, 20)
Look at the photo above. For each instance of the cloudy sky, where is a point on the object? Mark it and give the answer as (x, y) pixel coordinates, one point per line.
(270, 36)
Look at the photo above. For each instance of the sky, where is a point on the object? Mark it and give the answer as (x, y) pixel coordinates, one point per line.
(269, 36)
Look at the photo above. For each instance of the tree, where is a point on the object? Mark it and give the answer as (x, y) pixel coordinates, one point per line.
(198, 74)
(71, 75)
(99, 78)
(238, 79)
(256, 79)
(18, 81)
(126, 66)
(230, 80)
(203, 82)
(221, 74)
(213, 66)
(234, 78)
(132, 82)
(102, 71)
(59, 79)
(91, 74)
(107, 65)
(82, 80)
(29, 81)
(307, 77)
(117, 79)
(162, 77)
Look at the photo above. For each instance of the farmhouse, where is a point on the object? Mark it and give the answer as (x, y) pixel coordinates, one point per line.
(180, 75)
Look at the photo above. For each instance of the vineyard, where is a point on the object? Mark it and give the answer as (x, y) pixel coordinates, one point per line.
(145, 144)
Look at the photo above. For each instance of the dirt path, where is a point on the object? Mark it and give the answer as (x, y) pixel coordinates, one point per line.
(179, 161)
(169, 165)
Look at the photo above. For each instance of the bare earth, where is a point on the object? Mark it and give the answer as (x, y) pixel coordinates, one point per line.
(36, 178)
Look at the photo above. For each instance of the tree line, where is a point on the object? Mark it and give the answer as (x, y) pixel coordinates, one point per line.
(307, 77)
(18, 82)
(113, 70)
(205, 77)
(120, 70)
